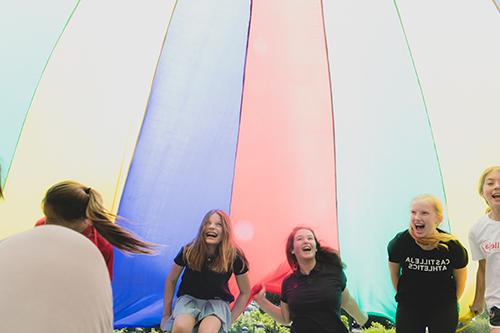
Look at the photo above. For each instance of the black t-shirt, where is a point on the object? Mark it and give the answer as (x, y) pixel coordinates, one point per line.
(207, 284)
(426, 276)
(314, 300)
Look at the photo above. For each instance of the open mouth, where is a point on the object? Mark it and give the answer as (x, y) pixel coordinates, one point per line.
(419, 227)
(211, 234)
(495, 195)
(307, 248)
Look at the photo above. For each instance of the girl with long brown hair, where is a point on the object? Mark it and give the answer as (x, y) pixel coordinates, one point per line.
(203, 297)
(312, 296)
(78, 207)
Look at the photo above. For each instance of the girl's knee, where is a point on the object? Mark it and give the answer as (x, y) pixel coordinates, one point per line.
(183, 324)
(210, 324)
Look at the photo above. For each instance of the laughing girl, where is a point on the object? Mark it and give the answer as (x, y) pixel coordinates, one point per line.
(311, 296)
(484, 239)
(428, 270)
(203, 297)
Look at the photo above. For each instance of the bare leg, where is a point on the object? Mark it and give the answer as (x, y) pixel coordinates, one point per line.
(210, 324)
(183, 323)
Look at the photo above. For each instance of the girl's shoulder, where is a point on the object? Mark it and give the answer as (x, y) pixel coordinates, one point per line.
(483, 222)
(400, 236)
(398, 245)
(451, 242)
(290, 277)
(240, 263)
(180, 259)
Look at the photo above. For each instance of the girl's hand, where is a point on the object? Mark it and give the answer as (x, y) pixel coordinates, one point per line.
(164, 320)
(476, 308)
(260, 296)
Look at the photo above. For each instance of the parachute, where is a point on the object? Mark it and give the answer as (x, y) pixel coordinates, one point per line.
(331, 114)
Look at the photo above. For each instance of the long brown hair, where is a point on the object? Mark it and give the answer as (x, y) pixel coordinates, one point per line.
(324, 254)
(196, 253)
(72, 202)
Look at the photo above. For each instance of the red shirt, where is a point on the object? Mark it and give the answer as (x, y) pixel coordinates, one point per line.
(102, 244)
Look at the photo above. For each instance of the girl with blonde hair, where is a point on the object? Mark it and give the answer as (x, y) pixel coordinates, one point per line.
(203, 297)
(428, 271)
(484, 240)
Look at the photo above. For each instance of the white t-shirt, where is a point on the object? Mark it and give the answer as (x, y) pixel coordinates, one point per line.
(53, 280)
(484, 239)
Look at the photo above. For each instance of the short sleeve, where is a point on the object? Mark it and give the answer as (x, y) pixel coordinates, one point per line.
(179, 258)
(393, 249)
(343, 280)
(40, 222)
(239, 266)
(475, 250)
(283, 297)
(460, 256)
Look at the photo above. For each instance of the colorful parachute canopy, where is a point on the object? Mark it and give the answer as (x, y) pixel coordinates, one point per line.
(331, 114)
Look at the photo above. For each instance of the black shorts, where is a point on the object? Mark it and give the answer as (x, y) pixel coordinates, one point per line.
(495, 317)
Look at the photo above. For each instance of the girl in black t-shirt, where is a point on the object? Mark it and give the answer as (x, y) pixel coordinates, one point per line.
(203, 297)
(428, 270)
(311, 296)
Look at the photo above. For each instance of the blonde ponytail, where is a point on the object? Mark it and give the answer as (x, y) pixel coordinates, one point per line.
(439, 239)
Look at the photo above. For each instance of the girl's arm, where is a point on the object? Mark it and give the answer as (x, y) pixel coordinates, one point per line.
(279, 313)
(395, 269)
(460, 278)
(478, 304)
(170, 283)
(351, 307)
(242, 299)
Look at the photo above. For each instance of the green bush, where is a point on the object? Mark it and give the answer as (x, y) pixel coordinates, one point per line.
(378, 328)
(479, 325)
(258, 322)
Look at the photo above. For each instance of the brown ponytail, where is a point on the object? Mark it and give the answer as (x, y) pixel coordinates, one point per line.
(71, 202)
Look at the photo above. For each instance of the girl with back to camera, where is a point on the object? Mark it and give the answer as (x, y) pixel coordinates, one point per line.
(78, 207)
(203, 297)
(311, 296)
(428, 271)
(484, 239)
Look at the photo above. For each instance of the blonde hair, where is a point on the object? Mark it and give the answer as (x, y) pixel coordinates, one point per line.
(70, 202)
(482, 180)
(196, 253)
(438, 239)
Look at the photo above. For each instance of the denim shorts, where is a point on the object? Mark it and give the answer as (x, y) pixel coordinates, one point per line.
(199, 309)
